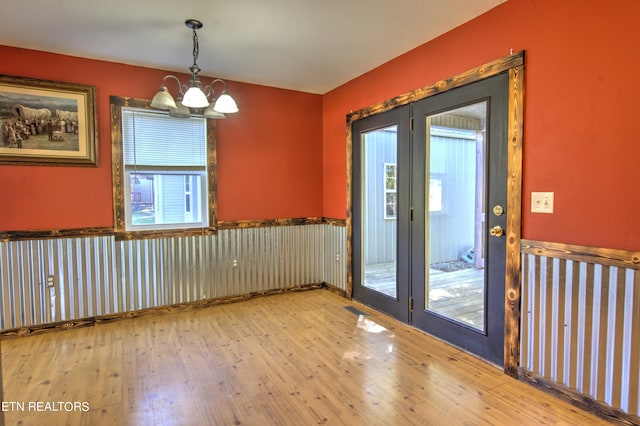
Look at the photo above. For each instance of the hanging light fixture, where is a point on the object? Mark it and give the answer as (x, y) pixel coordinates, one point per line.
(192, 96)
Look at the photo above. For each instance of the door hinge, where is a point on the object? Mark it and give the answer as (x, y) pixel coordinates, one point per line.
(411, 124)
(411, 214)
(411, 304)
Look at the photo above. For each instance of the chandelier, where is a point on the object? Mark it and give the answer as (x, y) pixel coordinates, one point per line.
(192, 96)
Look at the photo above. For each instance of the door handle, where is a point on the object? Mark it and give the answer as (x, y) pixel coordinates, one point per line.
(496, 231)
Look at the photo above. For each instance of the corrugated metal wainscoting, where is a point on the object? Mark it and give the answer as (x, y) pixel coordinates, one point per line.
(45, 281)
(581, 327)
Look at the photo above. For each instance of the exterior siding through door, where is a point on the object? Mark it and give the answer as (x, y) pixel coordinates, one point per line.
(449, 146)
(456, 217)
(379, 149)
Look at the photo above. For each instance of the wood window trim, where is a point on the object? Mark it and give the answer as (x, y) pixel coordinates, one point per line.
(118, 178)
(514, 65)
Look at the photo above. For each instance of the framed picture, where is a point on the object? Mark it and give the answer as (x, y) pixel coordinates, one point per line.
(47, 123)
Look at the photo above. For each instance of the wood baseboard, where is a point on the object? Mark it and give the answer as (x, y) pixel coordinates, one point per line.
(336, 290)
(579, 400)
(103, 319)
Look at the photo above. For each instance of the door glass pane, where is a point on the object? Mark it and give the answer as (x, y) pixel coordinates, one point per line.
(455, 284)
(379, 210)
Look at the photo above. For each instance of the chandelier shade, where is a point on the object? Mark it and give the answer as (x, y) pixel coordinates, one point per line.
(163, 99)
(180, 111)
(210, 112)
(195, 98)
(225, 103)
(192, 95)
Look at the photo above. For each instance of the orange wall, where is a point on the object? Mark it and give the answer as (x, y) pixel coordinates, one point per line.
(269, 154)
(277, 161)
(581, 107)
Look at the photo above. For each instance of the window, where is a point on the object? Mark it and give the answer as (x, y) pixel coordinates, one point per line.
(165, 181)
(435, 195)
(390, 191)
(391, 194)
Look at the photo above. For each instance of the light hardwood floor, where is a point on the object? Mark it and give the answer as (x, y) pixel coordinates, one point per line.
(290, 359)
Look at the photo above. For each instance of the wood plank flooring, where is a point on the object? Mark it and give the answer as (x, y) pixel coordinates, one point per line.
(289, 359)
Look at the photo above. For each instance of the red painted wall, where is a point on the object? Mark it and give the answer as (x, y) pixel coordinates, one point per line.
(269, 154)
(581, 107)
(277, 161)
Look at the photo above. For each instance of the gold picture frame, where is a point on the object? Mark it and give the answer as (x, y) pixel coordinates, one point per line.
(47, 123)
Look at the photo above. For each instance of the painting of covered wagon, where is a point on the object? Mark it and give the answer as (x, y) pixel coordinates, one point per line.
(47, 122)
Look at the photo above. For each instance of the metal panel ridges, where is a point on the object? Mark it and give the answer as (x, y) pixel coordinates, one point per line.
(100, 276)
(335, 242)
(580, 328)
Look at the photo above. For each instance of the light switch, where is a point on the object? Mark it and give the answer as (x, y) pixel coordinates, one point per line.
(542, 202)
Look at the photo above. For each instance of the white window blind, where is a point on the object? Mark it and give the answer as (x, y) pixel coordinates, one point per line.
(165, 161)
(157, 140)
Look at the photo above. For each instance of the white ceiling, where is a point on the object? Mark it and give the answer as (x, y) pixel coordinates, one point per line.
(307, 45)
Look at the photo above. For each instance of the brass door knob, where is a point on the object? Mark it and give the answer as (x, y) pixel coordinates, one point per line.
(496, 231)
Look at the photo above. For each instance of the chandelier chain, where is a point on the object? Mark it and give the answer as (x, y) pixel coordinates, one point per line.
(196, 48)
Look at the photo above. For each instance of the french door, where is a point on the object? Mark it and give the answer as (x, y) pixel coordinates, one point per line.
(381, 232)
(429, 209)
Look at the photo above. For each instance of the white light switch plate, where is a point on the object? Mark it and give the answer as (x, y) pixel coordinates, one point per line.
(542, 202)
